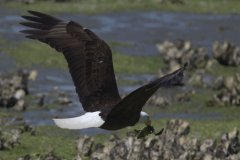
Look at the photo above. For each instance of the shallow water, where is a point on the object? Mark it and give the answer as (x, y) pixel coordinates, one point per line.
(142, 30)
(191, 116)
(6, 63)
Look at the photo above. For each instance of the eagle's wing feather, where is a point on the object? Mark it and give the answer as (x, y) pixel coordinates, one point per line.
(89, 58)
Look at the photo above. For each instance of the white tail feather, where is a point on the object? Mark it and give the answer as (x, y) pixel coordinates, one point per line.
(88, 120)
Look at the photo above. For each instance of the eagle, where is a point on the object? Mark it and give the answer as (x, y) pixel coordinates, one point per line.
(90, 64)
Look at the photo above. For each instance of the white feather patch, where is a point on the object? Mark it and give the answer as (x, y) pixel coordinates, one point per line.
(88, 120)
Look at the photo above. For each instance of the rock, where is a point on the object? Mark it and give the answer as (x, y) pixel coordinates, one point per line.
(13, 89)
(199, 58)
(49, 156)
(232, 83)
(119, 151)
(218, 83)
(229, 83)
(185, 97)
(231, 142)
(9, 139)
(84, 146)
(177, 54)
(208, 146)
(158, 101)
(207, 157)
(99, 153)
(211, 65)
(233, 157)
(197, 80)
(227, 98)
(173, 66)
(227, 53)
(175, 144)
(33, 75)
(178, 127)
(24, 74)
(28, 128)
(20, 105)
(229, 94)
(43, 156)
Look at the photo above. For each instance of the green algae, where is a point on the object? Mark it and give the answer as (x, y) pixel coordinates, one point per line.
(30, 53)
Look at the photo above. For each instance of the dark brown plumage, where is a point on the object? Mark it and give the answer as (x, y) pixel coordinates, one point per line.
(89, 58)
(90, 64)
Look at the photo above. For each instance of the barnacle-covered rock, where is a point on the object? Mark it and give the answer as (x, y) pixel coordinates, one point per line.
(13, 89)
(227, 98)
(176, 54)
(9, 139)
(185, 97)
(159, 101)
(229, 94)
(227, 53)
(85, 144)
(174, 143)
(43, 156)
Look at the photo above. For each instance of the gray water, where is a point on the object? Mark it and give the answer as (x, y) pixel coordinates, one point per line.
(142, 30)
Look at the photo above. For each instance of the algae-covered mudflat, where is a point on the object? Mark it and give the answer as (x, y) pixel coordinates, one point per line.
(40, 54)
(143, 38)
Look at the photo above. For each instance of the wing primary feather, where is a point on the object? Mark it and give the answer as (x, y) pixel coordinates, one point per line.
(39, 14)
(34, 32)
(33, 19)
(31, 37)
(43, 16)
(35, 25)
(50, 21)
(174, 78)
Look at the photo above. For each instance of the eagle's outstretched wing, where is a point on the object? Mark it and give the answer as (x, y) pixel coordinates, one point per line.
(136, 99)
(89, 58)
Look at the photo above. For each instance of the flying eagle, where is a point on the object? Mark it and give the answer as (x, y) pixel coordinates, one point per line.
(90, 64)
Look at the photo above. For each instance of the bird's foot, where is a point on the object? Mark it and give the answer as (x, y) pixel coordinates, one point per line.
(159, 133)
(146, 131)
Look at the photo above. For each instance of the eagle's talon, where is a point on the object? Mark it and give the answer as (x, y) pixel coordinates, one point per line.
(160, 132)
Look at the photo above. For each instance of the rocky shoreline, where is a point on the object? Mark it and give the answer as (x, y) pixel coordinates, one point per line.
(14, 90)
(173, 144)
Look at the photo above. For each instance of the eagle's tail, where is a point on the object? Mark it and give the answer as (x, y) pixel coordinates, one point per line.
(88, 120)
